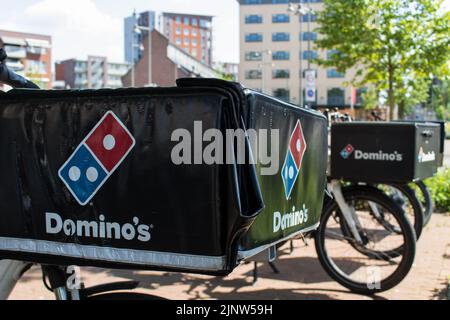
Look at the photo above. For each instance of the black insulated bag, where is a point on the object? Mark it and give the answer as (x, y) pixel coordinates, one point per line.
(89, 178)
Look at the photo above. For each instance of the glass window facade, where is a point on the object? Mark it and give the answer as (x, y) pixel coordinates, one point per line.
(280, 74)
(280, 36)
(333, 73)
(309, 36)
(253, 18)
(253, 37)
(280, 18)
(253, 56)
(253, 74)
(336, 97)
(309, 55)
(280, 55)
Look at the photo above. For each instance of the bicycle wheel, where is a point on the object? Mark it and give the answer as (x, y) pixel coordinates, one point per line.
(406, 198)
(368, 267)
(426, 201)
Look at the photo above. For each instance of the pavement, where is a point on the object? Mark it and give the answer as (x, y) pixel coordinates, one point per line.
(447, 153)
(301, 277)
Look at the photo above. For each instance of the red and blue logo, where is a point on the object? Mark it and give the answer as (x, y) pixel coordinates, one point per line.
(347, 151)
(294, 157)
(96, 158)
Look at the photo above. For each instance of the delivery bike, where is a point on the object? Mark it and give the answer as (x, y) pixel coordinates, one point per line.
(365, 241)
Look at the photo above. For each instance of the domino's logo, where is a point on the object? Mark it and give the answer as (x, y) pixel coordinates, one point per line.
(347, 151)
(294, 157)
(96, 158)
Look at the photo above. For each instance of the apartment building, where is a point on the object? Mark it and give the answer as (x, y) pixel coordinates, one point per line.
(133, 38)
(165, 63)
(29, 55)
(276, 44)
(192, 33)
(93, 73)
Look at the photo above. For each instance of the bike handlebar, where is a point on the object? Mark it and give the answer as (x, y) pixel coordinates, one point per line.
(10, 77)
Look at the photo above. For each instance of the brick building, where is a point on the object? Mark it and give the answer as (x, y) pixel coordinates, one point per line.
(168, 62)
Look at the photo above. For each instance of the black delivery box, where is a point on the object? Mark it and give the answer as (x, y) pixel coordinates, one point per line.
(120, 178)
(384, 151)
(441, 123)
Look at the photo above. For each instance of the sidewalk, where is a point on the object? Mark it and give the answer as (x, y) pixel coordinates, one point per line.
(301, 277)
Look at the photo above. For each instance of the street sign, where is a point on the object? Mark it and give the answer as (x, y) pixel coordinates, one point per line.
(310, 90)
(310, 94)
(310, 76)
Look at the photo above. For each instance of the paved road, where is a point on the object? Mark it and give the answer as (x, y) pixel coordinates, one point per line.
(447, 153)
(301, 277)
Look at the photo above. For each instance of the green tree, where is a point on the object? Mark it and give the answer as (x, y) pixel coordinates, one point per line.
(440, 99)
(396, 46)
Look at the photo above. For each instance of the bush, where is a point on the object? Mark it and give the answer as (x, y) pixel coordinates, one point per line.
(439, 187)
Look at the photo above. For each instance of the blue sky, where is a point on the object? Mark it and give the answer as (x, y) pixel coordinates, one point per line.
(82, 27)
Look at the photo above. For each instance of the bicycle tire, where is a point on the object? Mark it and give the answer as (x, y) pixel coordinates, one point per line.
(427, 202)
(409, 246)
(418, 212)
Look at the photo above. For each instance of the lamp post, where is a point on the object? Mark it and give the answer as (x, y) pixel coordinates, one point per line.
(301, 10)
(262, 65)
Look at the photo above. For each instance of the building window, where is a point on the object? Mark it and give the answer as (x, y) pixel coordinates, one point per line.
(360, 96)
(186, 21)
(253, 56)
(36, 67)
(281, 93)
(280, 36)
(280, 74)
(253, 18)
(336, 97)
(331, 53)
(280, 18)
(178, 19)
(194, 42)
(309, 17)
(280, 55)
(178, 30)
(253, 74)
(333, 73)
(186, 31)
(309, 55)
(178, 41)
(186, 41)
(252, 1)
(309, 36)
(194, 32)
(253, 37)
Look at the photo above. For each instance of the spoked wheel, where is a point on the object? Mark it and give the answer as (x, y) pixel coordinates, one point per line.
(426, 201)
(406, 198)
(382, 259)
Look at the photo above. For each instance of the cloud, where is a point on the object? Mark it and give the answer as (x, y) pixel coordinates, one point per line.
(78, 28)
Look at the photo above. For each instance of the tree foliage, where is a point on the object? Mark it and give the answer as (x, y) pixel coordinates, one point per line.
(396, 46)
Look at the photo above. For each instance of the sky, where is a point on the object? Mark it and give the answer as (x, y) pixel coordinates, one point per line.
(95, 27)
